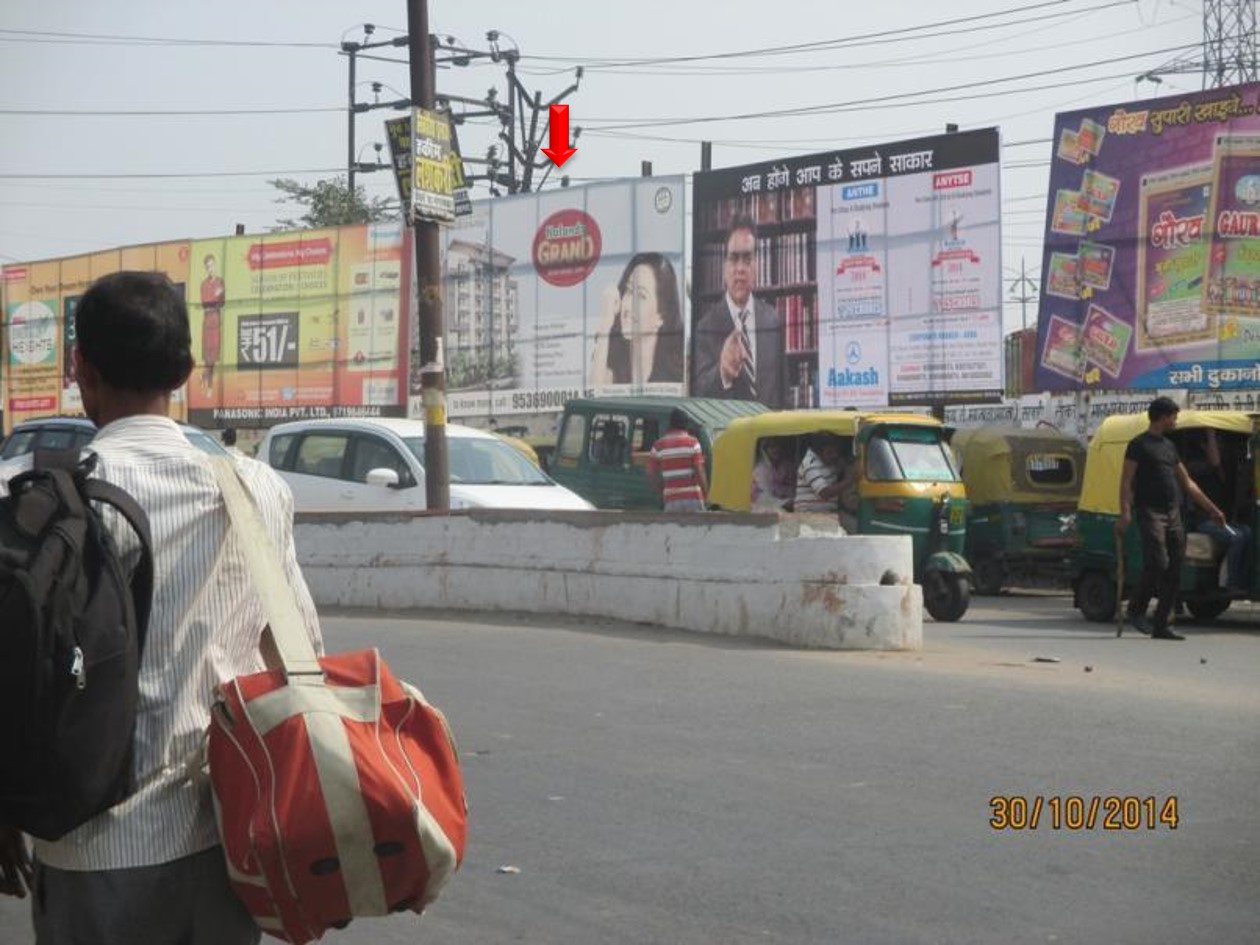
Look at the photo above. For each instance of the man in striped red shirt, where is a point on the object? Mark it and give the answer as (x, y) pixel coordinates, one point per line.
(676, 467)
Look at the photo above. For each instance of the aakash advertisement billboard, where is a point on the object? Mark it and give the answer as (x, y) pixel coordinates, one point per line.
(1151, 275)
(865, 277)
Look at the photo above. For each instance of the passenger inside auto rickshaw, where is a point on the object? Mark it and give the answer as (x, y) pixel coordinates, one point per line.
(774, 476)
(827, 480)
(1218, 464)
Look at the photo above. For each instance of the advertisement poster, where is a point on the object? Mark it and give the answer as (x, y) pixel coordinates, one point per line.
(37, 322)
(1152, 261)
(860, 278)
(299, 325)
(433, 179)
(564, 293)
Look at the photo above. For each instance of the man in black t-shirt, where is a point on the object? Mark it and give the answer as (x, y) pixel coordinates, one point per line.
(1151, 486)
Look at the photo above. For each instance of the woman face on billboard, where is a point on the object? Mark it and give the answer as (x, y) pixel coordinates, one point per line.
(641, 335)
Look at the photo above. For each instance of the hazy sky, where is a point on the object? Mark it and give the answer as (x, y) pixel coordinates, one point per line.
(1015, 71)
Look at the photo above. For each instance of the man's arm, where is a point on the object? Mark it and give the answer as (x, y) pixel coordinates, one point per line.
(700, 473)
(1126, 495)
(16, 873)
(1200, 498)
(710, 340)
(654, 472)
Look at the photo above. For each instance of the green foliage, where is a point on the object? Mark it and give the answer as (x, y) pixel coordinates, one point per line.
(331, 203)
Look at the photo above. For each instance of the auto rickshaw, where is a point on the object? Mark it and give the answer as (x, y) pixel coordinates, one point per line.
(1202, 591)
(1023, 485)
(907, 485)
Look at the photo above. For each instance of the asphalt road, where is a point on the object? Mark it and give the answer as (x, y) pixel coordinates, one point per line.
(659, 787)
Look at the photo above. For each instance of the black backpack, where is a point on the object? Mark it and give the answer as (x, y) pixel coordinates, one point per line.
(71, 636)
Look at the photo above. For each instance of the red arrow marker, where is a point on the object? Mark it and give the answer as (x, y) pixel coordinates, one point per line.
(559, 152)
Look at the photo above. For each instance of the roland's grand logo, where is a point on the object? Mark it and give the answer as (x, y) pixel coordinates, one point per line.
(567, 247)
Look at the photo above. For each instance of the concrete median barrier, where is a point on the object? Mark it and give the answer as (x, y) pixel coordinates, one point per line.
(794, 580)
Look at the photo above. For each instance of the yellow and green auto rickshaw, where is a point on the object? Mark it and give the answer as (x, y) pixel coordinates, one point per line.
(1203, 575)
(1022, 489)
(906, 485)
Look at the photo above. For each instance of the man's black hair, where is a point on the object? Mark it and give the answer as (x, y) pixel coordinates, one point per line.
(229, 436)
(678, 420)
(133, 328)
(741, 222)
(1162, 407)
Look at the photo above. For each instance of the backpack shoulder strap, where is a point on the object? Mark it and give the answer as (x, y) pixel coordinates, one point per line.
(98, 490)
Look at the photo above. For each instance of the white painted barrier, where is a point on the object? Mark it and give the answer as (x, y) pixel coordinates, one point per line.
(793, 580)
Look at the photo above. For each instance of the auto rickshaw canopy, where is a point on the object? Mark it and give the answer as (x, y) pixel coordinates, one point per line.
(1104, 460)
(999, 464)
(735, 449)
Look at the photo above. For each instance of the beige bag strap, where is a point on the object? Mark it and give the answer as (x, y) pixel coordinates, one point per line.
(288, 628)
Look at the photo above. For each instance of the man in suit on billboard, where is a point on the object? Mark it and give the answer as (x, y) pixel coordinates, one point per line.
(739, 340)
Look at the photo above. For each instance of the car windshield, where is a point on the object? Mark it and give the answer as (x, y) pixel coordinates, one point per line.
(912, 454)
(478, 462)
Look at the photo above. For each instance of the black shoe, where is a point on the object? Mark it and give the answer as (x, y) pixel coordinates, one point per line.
(1140, 623)
(1165, 634)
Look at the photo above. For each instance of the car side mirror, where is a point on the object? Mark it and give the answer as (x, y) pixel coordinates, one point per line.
(386, 478)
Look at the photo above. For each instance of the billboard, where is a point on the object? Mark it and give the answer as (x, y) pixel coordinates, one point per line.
(865, 277)
(37, 317)
(1151, 274)
(299, 325)
(564, 293)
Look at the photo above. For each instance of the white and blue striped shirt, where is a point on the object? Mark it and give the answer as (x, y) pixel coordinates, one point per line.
(204, 629)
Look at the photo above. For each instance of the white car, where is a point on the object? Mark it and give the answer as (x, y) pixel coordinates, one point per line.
(17, 451)
(377, 465)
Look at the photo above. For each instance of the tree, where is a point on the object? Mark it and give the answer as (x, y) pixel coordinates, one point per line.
(331, 203)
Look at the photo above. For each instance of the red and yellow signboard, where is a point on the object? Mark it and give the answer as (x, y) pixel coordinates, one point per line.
(284, 326)
(37, 317)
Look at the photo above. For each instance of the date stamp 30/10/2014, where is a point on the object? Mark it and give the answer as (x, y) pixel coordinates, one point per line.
(1074, 812)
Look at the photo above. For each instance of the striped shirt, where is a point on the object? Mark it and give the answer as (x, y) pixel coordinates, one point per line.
(677, 458)
(204, 629)
(813, 476)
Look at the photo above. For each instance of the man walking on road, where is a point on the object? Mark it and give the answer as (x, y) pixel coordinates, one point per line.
(676, 467)
(1151, 487)
(150, 869)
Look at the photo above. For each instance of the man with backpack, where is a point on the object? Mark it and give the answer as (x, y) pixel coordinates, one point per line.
(149, 869)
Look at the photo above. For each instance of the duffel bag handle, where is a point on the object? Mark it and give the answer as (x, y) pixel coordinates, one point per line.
(297, 655)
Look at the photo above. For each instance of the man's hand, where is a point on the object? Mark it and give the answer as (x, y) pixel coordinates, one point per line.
(1216, 515)
(1123, 522)
(16, 873)
(734, 354)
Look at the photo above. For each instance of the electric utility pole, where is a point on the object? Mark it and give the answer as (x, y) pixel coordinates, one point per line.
(1029, 289)
(1229, 47)
(437, 486)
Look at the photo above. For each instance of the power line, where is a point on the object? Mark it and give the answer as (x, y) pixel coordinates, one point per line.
(916, 59)
(111, 39)
(849, 42)
(884, 101)
(188, 174)
(169, 112)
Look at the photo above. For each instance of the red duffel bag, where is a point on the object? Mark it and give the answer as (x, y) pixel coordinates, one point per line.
(337, 787)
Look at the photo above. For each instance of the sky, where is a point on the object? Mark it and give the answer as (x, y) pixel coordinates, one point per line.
(102, 145)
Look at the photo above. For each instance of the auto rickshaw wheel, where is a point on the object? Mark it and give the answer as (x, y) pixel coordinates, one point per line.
(1207, 609)
(946, 595)
(990, 576)
(1096, 597)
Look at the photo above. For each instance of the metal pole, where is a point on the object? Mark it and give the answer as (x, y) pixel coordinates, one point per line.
(437, 488)
(351, 49)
